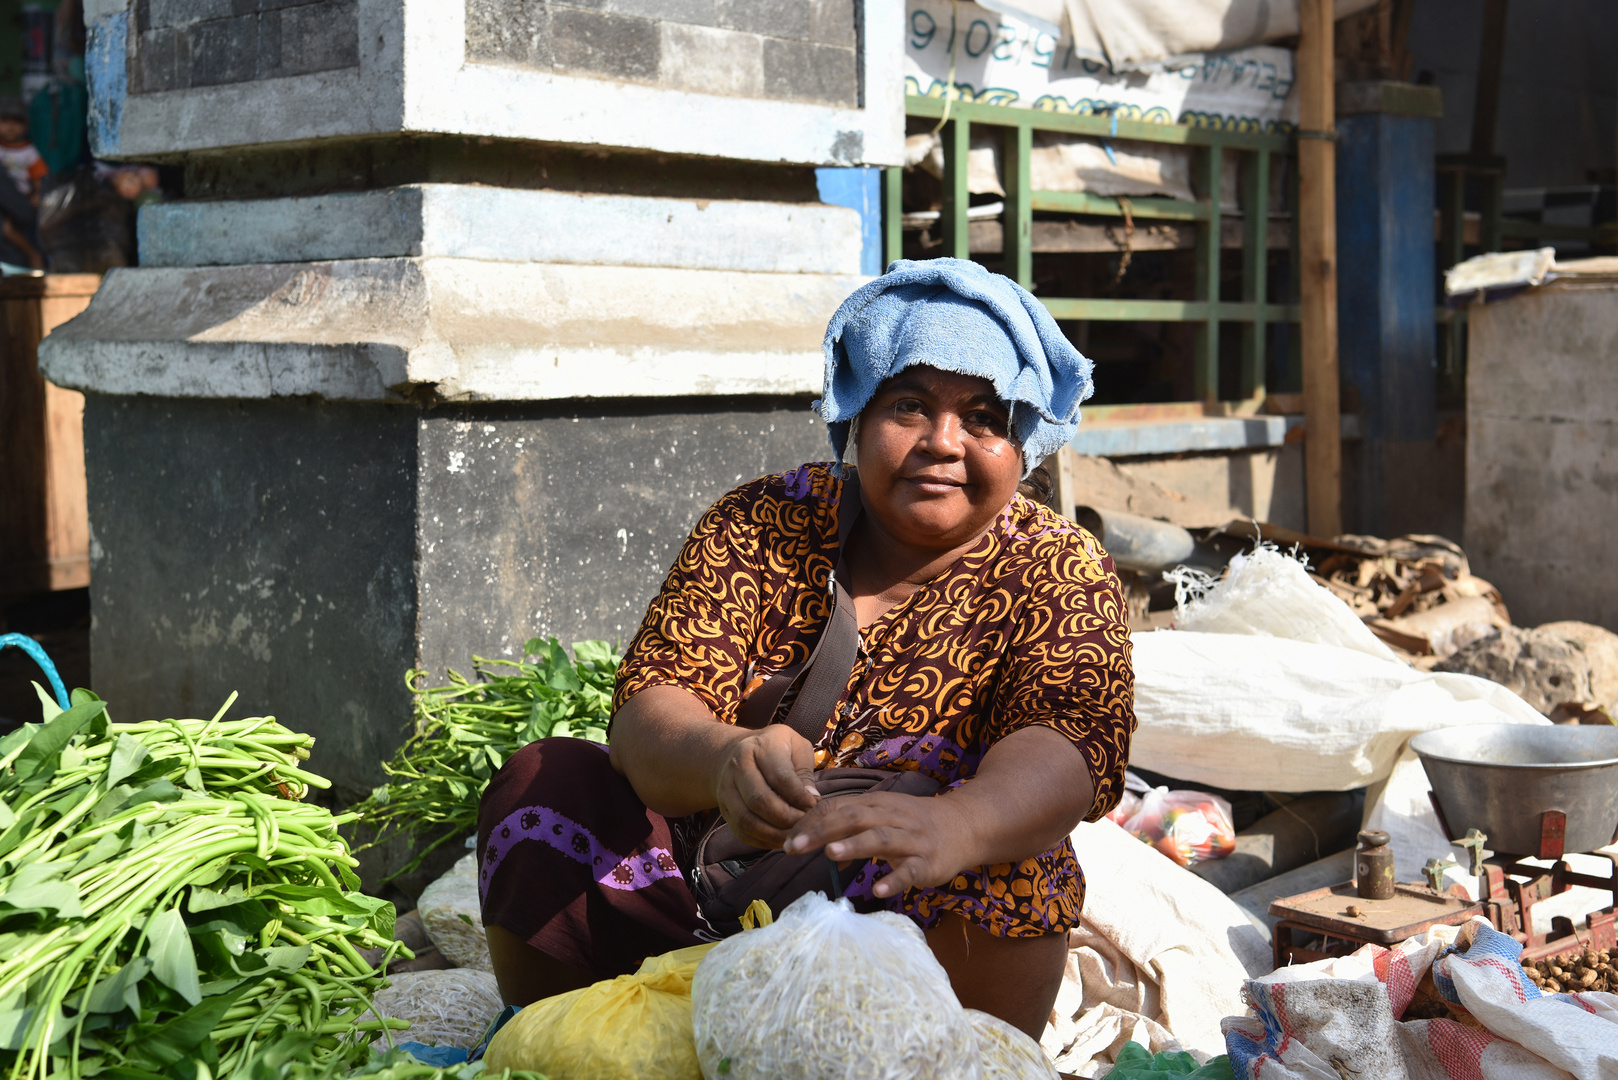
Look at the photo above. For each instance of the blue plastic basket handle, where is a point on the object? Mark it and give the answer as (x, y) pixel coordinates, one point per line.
(31, 647)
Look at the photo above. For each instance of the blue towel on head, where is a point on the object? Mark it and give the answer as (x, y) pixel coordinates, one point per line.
(954, 315)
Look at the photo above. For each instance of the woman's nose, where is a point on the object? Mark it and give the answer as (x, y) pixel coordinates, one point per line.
(945, 438)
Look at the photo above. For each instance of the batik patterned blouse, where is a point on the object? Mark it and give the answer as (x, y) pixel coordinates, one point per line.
(1027, 627)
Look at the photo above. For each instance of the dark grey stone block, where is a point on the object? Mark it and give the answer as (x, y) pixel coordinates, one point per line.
(515, 32)
(801, 71)
(600, 43)
(777, 18)
(307, 554)
(317, 37)
(223, 51)
(552, 521)
(143, 16)
(154, 61)
(263, 547)
(186, 12)
(833, 22)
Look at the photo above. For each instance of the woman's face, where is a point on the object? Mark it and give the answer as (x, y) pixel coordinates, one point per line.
(935, 458)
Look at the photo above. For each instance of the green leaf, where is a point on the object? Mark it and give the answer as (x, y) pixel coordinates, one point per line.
(161, 791)
(120, 990)
(208, 900)
(102, 850)
(48, 706)
(14, 1027)
(171, 1043)
(168, 945)
(59, 897)
(47, 743)
(323, 900)
(594, 652)
(7, 817)
(286, 957)
(127, 754)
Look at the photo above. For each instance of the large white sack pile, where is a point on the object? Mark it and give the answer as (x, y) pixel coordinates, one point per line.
(1272, 684)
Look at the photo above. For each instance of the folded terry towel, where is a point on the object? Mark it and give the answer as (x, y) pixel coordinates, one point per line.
(954, 315)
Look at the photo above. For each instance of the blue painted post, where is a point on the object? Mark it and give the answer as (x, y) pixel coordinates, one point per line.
(1385, 267)
(858, 189)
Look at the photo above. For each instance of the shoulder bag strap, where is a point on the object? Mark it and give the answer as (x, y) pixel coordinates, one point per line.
(832, 660)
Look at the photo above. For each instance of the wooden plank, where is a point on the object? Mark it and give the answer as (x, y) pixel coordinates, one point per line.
(1107, 310)
(1255, 268)
(23, 529)
(1317, 237)
(1205, 357)
(1082, 202)
(1096, 126)
(1064, 480)
(1125, 310)
(44, 523)
(1017, 245)
(892, 214)
(957, 197)
(1070, 237)
(1491, 54)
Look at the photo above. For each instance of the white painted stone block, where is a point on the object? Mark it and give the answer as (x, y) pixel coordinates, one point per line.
(454, 329)
(412, 76)
(506, 225)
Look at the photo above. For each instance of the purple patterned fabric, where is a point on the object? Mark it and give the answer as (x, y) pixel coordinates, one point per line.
(637, 870)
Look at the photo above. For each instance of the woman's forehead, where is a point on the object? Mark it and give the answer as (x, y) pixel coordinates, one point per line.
(920, 378)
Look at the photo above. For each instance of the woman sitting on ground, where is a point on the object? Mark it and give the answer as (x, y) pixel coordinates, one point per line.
(993, 657)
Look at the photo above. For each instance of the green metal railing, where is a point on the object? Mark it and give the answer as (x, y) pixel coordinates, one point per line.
(1207, 308)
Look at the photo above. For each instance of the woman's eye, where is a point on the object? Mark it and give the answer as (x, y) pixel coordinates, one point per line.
(985, 421)
(908, 407)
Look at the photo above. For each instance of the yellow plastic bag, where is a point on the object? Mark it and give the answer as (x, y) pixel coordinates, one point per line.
(634, 1027)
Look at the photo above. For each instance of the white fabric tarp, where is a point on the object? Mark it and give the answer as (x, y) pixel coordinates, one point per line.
(1004, 58)
(1160, 957)
(1135, 33)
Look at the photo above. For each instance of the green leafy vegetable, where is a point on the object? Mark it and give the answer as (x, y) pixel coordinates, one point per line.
(168, 905)
(464, 731)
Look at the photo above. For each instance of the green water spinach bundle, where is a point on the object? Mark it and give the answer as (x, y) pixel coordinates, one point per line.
(465, 730)
(169, 906)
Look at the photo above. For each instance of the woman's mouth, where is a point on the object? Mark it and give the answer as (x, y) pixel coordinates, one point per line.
(936, 485)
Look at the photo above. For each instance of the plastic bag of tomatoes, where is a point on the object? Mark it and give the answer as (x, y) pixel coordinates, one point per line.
(1187, 826)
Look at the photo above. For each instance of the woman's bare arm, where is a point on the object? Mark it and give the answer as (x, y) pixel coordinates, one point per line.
(1030, 791)
(681, 759)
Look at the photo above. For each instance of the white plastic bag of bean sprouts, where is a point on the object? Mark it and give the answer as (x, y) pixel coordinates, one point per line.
(453, 915)
(824, 993)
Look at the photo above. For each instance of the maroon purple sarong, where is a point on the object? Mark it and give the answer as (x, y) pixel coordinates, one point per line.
(572, 862)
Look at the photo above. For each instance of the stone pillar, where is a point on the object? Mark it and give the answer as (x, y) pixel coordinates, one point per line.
(1385, 295)
(469, 309)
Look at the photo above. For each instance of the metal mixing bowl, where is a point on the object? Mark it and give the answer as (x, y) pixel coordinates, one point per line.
(1498, 779)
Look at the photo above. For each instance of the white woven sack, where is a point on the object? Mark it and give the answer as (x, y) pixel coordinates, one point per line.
(1253, 713)
(445, 1008)
(1339, 1017)
(453, 916)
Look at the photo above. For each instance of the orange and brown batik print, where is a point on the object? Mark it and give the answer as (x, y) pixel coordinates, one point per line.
(1028, 627)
